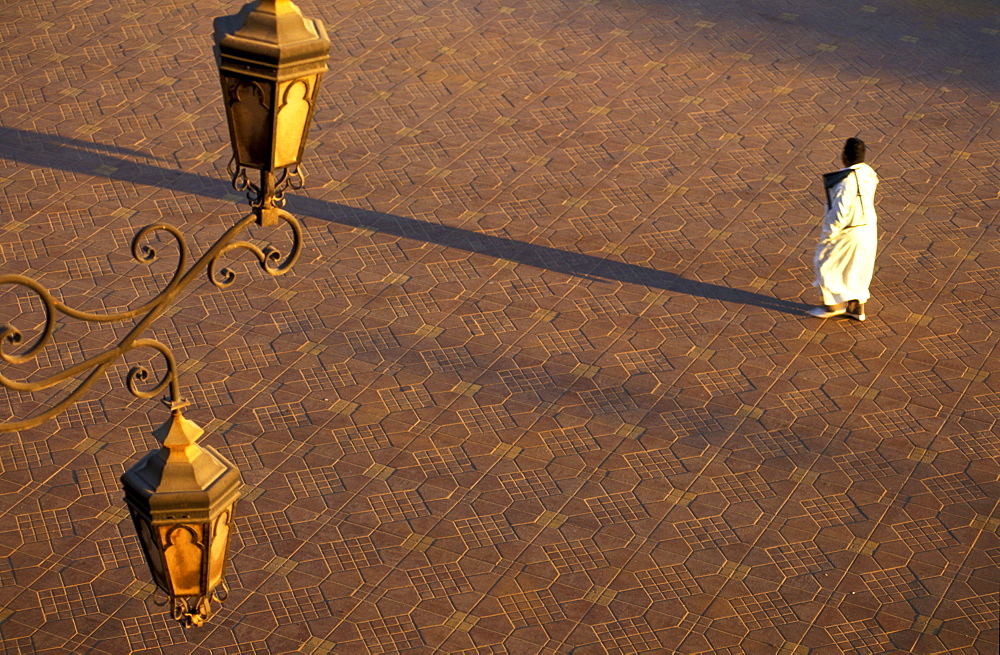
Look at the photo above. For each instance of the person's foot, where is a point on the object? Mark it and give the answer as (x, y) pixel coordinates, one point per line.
(856, 310)
(826, 311)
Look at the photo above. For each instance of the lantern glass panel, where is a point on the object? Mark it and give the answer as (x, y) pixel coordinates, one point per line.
(184, 554)
(153, 553)
(249, 105)
(294, 109)
(218, 549)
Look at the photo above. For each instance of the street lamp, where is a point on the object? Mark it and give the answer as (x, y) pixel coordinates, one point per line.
(271, 61)
(182, 496)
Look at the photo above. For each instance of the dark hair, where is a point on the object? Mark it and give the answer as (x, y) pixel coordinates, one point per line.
(854, 151)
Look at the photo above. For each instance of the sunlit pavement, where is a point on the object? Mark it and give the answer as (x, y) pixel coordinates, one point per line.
(542, 382)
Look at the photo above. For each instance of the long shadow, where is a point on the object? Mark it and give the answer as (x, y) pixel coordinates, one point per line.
(47, 151)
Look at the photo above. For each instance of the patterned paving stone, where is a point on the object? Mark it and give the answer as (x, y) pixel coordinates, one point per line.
(541, 381)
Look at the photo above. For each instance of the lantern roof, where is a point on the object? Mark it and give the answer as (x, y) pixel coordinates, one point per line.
(270, 34)
(182, 478)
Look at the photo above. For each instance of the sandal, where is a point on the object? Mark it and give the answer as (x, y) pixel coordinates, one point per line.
(826, 312)
(856, 310)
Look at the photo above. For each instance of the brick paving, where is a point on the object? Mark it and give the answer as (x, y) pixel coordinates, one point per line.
(542, 382)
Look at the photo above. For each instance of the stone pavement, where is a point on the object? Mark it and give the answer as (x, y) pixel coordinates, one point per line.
(542, 382)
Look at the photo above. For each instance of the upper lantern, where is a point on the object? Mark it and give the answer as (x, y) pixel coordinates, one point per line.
(271, 61)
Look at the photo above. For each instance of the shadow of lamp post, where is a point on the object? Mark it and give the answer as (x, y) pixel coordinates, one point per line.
(182, 496)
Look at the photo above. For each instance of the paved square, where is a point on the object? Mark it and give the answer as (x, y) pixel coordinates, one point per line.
(542, 382)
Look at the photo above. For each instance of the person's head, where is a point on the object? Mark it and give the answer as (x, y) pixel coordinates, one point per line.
(854, 151)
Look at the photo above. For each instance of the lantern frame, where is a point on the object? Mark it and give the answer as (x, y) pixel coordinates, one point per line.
(182, 499)
(271, 62)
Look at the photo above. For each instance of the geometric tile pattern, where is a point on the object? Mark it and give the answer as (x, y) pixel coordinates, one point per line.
(668, 582)
(708, 532)
(328, 377)
(261, 528)
(764, 610)
(977, 445)
(643, 361)
(605, 401)
(315, 482)
(895, 422)
(832, 511)
(982, 610)
(444, 360)
(45, 526)
(443, 461)
(146, 632)
(114, 552)
(439, 581)
(532, 608)
(806, 402)
(398, 505)
(486, 418)
(779, 442)
(865, 636)
(633, 635)
(861, 466)
(536, 379)
(654, 464)
(743, 486)
(362, 438)
(481, 531)
(925, 534)
(724, 382)
(795, 559)
(298, 606)
(617, 507)
(278, 418)
(524, 485)
(408, 397)
(954, 488)
(570, 441)
(65, 602)
(575, 556)
(391, 634)
(893, 585)
(541, 380)
(691, 421)
(352, 554)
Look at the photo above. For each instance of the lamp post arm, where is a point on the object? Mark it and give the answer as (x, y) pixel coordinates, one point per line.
(270, 259)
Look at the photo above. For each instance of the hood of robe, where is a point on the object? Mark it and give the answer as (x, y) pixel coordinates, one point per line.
(867, 178)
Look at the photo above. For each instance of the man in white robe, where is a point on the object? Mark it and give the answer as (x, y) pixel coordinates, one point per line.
(845, 255)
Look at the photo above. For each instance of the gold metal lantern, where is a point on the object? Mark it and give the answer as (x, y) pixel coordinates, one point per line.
(182, 498)
(271, 62)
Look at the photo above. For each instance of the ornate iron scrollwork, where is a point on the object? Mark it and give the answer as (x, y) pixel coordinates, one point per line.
(271, 260)
(193, 612)
(293, 177)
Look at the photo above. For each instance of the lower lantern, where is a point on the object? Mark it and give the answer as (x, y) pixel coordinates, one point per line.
(182, 498)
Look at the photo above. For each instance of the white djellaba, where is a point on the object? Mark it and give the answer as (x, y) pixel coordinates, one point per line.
(845, 254)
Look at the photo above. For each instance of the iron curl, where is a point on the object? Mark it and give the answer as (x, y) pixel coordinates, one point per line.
(139, 374)
(10, 334)
(146, 254)
(271, 259)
